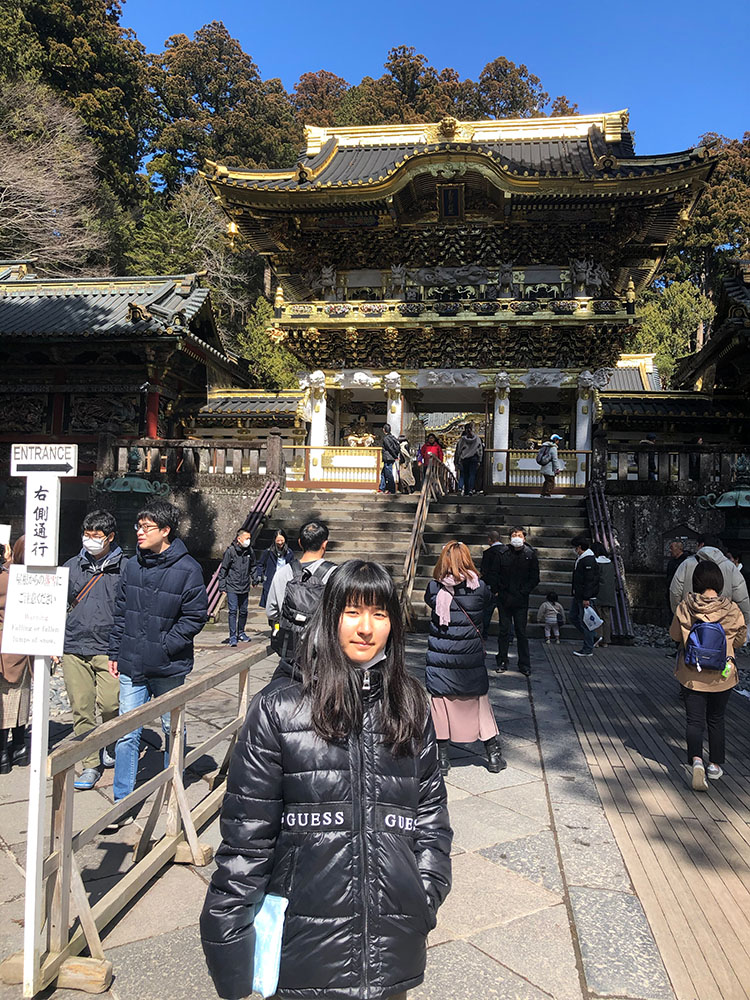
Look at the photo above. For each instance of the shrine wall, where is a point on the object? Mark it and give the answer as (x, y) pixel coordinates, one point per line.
(644, 527)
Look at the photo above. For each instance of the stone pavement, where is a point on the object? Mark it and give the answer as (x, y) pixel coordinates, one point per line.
(542, 905)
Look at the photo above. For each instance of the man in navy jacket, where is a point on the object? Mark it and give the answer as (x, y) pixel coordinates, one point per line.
(161, 606)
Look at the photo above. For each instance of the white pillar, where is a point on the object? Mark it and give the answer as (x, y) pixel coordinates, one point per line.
(584, 423)
(501, 429)
(392, 386)
(318, 425)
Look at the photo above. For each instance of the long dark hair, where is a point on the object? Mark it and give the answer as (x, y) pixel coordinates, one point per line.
(333, 682)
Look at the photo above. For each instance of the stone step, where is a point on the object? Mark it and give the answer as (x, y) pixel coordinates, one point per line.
(538, 537)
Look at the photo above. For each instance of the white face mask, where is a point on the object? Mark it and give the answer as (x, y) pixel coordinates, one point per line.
(516, 542)
(94, 546)
(245, 544)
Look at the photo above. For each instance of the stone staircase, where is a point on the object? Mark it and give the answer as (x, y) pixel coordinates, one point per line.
(378, 527)
(551, 525)
(362, 525)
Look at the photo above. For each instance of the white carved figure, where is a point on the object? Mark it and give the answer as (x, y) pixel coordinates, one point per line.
(328, 276)
(586, 380)
(392, 382)
(602, 377)
(317, 380)
(362, 380)
(502, 382)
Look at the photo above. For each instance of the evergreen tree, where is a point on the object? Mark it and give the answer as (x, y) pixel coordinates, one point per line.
(79, 48)
(670, 323)
(271, 365)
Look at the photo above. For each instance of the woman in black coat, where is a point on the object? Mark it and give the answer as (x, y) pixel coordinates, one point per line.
(456, 672)
(277, 554)
(335, 801)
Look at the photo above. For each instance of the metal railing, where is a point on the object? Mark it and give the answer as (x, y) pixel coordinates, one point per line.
(269, 497)
(438, 480)
(60, 939)
(332, 467)
(517, 469)
(603, 532)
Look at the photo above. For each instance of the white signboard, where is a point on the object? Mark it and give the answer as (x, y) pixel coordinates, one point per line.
(52, 459)
(35, 611)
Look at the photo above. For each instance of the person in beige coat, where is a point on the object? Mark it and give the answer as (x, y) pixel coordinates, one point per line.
(733, 583)
(705, 693)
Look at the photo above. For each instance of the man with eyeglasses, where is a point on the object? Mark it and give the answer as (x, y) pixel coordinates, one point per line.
(161, 607)
(93, 583)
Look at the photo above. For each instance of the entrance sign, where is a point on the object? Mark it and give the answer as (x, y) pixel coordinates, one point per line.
(35, 611)
(57, 459)
(35, 624)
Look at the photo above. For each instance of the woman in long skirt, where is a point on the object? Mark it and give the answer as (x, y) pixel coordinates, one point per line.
(456, 672)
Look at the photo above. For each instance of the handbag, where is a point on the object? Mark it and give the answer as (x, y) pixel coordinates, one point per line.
(269, 931)
(591, 619)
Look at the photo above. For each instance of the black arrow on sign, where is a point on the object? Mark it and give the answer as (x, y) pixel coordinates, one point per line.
(44, 468)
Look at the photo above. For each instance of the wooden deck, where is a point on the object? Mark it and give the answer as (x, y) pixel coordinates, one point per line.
(688, 853)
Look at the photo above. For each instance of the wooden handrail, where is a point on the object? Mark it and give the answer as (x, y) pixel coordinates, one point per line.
(438, 480)
(65, 894)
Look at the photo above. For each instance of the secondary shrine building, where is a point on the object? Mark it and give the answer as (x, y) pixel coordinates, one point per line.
(427, 275)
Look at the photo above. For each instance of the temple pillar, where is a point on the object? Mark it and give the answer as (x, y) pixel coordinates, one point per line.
(152, 413)
(394, 410)
(584, 424)
(501, 429)
(316, 383)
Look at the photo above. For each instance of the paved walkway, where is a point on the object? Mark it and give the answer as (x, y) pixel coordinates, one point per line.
(543, 904)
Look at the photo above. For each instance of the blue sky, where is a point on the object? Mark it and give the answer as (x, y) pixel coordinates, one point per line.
(682, 68)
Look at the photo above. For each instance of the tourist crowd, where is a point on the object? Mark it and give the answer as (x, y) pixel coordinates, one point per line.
(340, 764)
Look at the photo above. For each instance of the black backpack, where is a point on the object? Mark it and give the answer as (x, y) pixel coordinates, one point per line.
(544, 454)
(302, 596)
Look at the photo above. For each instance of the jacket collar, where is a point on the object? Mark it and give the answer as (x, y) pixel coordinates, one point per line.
(113, 558)
(168, 557)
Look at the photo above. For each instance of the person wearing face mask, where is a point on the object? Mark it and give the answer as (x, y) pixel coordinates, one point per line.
(517, 576)
(93, 582)
(335, 802)
(235, 578)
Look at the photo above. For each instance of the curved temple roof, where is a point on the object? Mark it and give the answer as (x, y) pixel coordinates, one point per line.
(580, 146)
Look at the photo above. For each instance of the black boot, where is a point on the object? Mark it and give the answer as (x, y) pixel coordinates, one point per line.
(6, 757)
(21, 756)
(444, 759)
(495, 760)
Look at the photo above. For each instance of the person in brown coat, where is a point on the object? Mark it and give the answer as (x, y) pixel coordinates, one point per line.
(705, 693)
(15, 680)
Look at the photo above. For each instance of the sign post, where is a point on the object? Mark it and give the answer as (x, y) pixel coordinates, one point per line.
(35, 625)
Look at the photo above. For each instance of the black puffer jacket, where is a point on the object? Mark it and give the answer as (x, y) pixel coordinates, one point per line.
(89, 623)
(160, 607)
(455, 652)
(586, 577)
(358, 841)
(236, 570)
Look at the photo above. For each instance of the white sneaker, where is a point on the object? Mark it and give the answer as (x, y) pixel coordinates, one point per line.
(714, 772)
(108, 759)
(699, 777)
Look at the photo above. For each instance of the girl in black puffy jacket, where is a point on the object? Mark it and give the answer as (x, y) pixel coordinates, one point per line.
(456, 672)
(335, 801)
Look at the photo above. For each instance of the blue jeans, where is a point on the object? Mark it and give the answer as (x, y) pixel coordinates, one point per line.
(236, 613)
(470, 467)
(576, 620)
(127, 747)
(390, 481)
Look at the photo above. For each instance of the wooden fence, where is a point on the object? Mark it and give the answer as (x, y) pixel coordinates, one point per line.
(61, 939)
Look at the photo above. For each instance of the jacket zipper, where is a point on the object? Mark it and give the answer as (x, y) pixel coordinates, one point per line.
(360, 741)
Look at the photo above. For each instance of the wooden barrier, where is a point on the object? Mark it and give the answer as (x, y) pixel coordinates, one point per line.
(65, 891)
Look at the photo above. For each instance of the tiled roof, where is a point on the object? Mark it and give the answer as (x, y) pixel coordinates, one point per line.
(346, 166)
(270, 404)
(33, 307)
(625, 380)
(690, 406)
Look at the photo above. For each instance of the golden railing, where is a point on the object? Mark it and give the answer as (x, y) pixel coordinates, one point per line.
(328, 466)
(516, 468)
